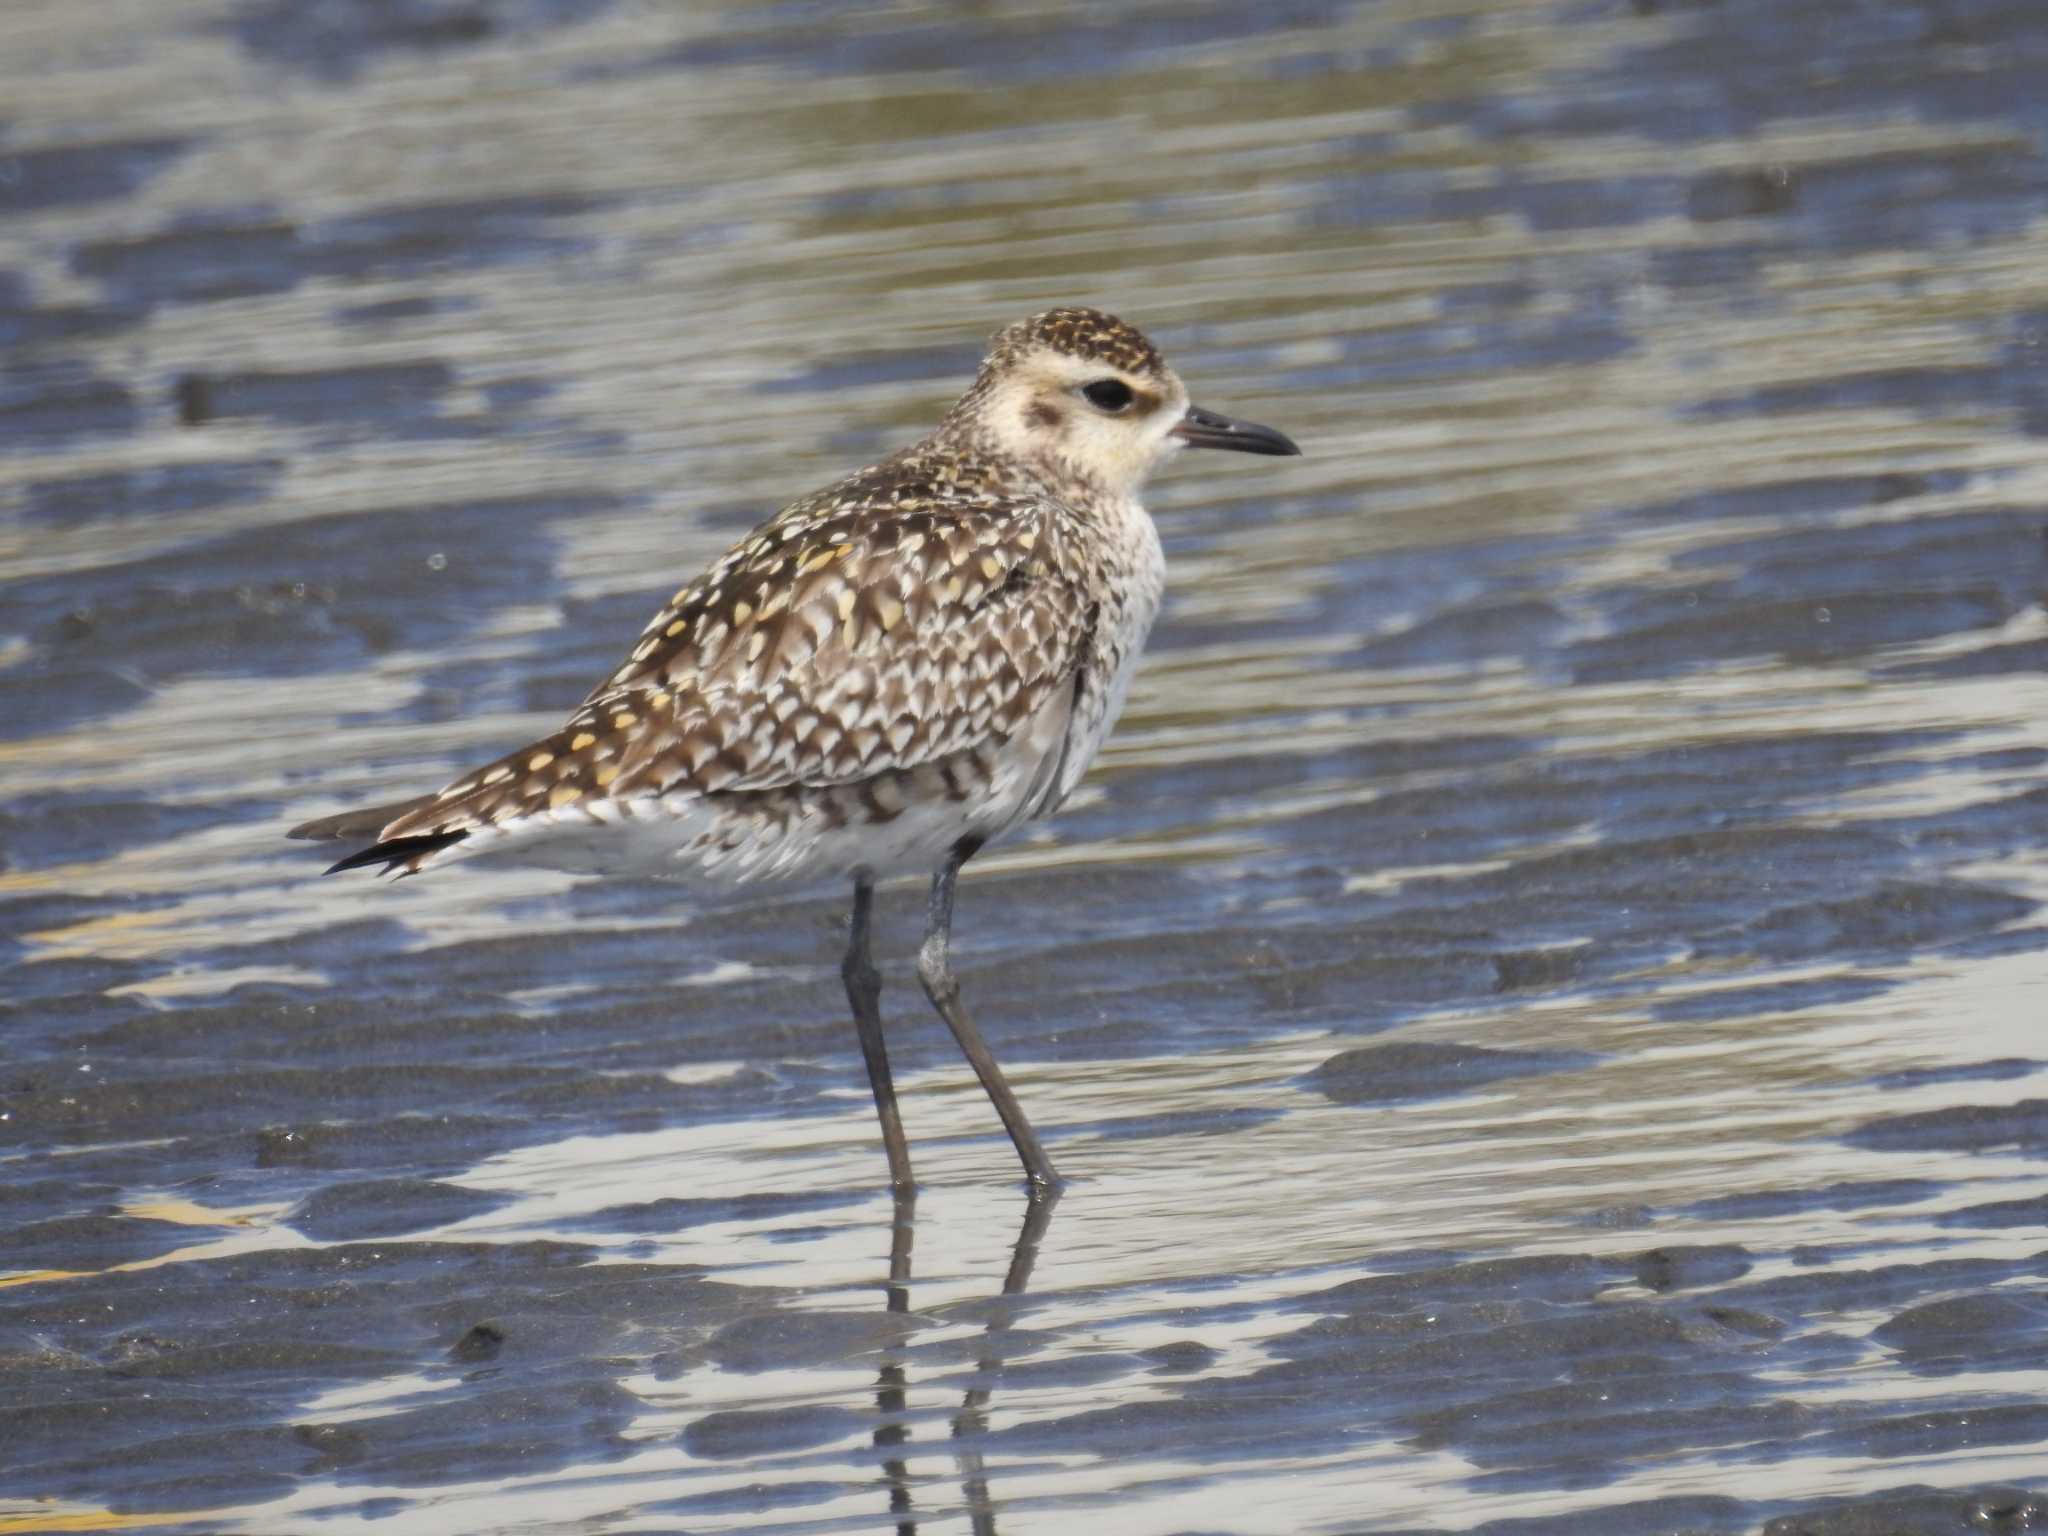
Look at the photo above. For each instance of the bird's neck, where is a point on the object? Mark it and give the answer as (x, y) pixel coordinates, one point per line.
(964, 439)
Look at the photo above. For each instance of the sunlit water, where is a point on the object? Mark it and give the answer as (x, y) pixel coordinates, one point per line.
(1640, 677)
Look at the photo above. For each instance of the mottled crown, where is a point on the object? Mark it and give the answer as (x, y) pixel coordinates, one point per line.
(1087, 333)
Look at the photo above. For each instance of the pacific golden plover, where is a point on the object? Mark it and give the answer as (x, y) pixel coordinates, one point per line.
(886, 676)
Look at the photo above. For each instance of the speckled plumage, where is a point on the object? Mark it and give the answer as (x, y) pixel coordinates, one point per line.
(885, 676)
(872, 647)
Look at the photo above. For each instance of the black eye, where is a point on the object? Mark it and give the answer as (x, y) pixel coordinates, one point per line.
(1108, 394)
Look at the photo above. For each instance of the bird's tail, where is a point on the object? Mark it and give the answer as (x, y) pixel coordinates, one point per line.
(405, 854)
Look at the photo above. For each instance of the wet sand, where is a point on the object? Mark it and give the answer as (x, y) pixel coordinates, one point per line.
(1541, 1004)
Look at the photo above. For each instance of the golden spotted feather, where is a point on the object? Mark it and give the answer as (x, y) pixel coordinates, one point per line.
(896, 621)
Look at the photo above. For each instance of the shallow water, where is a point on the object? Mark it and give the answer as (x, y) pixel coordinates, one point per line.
(1541, 1002)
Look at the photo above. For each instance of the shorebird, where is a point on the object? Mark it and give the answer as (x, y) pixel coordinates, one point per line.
(884, 677)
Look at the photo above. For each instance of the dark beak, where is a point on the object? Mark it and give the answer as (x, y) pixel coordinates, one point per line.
(1206, 429)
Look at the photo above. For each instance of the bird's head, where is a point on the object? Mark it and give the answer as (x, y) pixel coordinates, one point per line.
(1083, 396)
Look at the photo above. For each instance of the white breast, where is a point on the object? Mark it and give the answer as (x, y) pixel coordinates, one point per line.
(1133, 581)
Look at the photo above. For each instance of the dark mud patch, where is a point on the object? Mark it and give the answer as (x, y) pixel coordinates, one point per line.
(204, 258)
(2004, 1069)
(1224, 1120)
(428, 1142)
(1772, 998)
(737, 1433)
(2031, 1212)
(1684, 1266)
(55, 1105)
(335, 41)
(367, 1208)
(193, 262)
(90, 1242)
(1845, 1195)
(785, 1340)
(46, 406)
(1182, 1357)
(395, 398)
(1920, 1512)
(1959, 1128)
(160, 491)
(1404, 1071)
(1896, 918)
(679, 1213)
(70, 175)
(1970, 1332)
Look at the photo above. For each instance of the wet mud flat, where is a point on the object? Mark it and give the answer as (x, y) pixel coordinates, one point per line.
(1542, 1004)
(305, 1158)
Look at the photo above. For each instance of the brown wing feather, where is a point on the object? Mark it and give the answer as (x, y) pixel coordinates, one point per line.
(873, 627)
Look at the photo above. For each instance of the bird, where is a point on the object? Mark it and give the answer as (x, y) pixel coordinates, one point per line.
(883, 678)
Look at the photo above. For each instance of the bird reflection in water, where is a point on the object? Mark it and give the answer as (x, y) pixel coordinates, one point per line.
(892, 1384)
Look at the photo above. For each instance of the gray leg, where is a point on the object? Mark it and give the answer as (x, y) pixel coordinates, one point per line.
(864, 991)
(935, 969)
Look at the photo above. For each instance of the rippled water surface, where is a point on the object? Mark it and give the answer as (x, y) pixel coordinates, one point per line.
(1542, 1002)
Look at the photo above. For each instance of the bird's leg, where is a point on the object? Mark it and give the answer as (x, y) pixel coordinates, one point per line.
(864, 992)
(935, 970)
